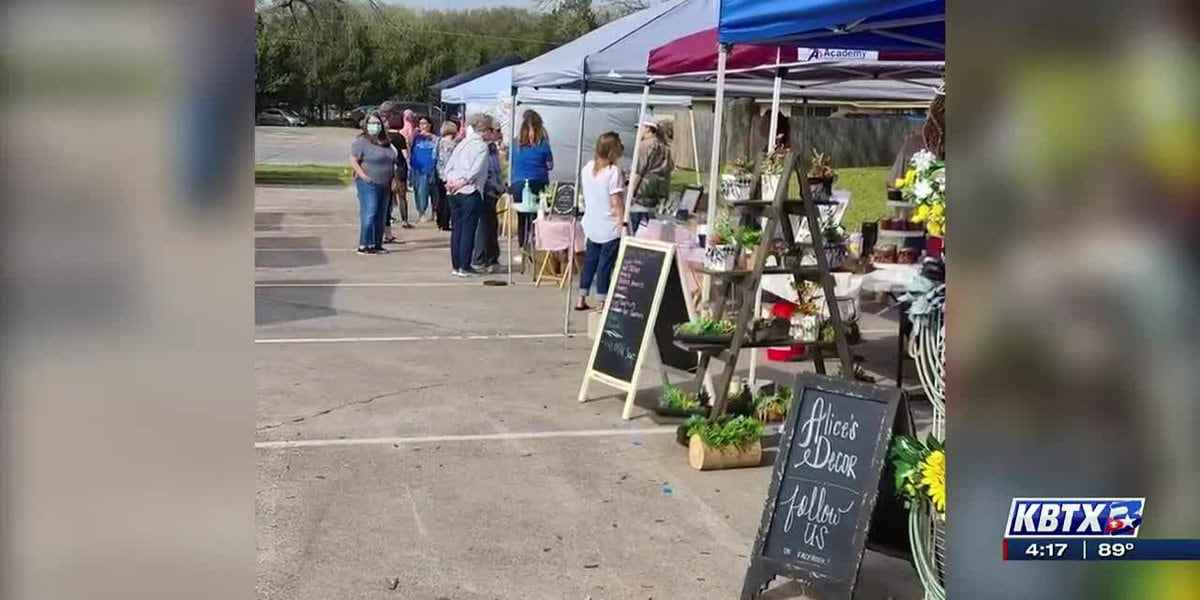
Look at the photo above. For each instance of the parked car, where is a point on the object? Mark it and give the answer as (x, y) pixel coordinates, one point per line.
(354, 116)
(280, 116)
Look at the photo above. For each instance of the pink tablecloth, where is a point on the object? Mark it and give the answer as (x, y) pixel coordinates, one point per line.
(684, 238)
(551, 234)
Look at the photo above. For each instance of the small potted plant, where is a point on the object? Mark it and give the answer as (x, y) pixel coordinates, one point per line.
(835, 245)
(772, 171)
(723, 254)
(748, 239)
(806, 320)
(726, 443)
(821, 176)
(676, 402)
(772, 402)
(739, 177)
(705, 330)
(770, 329)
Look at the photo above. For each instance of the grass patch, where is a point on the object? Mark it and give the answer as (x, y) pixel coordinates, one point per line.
(867, 187)
(301, 174)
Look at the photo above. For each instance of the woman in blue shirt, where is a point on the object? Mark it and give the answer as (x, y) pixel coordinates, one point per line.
(531, 164)
(424, 164)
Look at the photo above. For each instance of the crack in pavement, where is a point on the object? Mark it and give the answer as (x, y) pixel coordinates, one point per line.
(326, 411)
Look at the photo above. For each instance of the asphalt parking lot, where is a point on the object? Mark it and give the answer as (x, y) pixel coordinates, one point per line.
(418, 438)
(303, 145)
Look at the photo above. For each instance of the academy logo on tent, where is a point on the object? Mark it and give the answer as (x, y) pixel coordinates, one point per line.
(807, 54)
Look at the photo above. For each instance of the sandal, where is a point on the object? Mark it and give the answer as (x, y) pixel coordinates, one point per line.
(583, 305)
(391, 239)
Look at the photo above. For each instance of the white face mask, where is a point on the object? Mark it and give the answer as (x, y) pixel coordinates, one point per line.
(374, 128)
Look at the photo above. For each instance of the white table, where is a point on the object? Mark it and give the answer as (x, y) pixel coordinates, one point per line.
(890, 279)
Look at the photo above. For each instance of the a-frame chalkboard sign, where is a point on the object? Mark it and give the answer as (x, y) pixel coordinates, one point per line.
(823, 487)
(645, 299)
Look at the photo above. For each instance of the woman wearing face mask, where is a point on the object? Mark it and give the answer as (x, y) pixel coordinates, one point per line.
(373, 161)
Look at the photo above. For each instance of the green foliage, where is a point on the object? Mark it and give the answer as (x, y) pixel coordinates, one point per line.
(739, 432)
(345, 53)
(678, 399)
(724, 232)
(748, 237)
(705, 325)
(774, 405)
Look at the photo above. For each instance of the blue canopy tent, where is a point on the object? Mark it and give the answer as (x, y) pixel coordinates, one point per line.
(848, 24)
(858, 24)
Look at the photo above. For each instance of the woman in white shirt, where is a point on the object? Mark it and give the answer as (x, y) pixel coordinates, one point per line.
(603, 215)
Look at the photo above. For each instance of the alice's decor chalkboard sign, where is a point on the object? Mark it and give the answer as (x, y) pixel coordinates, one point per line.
(823, 487)
(631, 312)
(563, 202)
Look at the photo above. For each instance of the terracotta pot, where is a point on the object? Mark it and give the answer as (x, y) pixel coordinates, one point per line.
(704, 458)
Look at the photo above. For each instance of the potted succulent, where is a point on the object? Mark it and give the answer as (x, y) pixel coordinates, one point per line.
(725, 443)
(748, 239)
(821, 175)
(806, 320)
(772, 171)
(770, 329)
(722, 255)
(772, 402)
(676, 402)
(835, 245)
(739, 177)
(705, 330)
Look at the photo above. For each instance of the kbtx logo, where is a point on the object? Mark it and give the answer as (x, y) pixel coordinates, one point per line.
(1074, 517)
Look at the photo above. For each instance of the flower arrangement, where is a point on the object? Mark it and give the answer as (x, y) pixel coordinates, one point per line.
(772, 406)
(920, 471)
(772, 164)
(925, 185)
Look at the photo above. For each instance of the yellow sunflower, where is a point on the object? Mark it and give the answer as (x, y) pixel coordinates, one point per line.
(933, 478)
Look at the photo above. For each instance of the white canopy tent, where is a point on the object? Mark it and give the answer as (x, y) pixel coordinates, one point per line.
(492, 94)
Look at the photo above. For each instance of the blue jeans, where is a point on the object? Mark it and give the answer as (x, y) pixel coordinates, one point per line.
(464, 212)
(422, 185)
(598, 264)
(372, 212)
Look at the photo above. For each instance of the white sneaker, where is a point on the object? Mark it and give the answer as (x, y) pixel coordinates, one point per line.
(457, 273)
(424, 218)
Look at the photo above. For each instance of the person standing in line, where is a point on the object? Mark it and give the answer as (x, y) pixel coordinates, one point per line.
(603, 214)
(373, 161)
(445, 147)
(424, 165)
(486, 257)
(531, 165)
(651, 179)
(466, 179)
(398, 194)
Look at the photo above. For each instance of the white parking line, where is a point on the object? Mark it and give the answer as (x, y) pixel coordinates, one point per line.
(415, 338)
(490, 437)
(367, 285)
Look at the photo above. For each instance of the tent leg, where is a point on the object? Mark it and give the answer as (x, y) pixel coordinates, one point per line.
(714, 163)
(636, 147)
(775, 94)
(695, 146)
(575, 210)
(510, 216)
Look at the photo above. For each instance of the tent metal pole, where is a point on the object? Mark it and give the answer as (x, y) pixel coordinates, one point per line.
(637, 131)
(511, 215)
(775, 94)
(714, 163)
(695, 145)
(575, 209)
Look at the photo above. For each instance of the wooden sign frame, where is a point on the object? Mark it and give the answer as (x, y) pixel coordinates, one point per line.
(763, 569)
(630, 387)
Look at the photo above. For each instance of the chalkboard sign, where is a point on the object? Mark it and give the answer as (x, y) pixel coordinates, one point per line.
(823, 487)
(630, 312)
(563, 203)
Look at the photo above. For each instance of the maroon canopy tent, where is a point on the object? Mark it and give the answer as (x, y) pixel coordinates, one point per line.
(696, 54)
